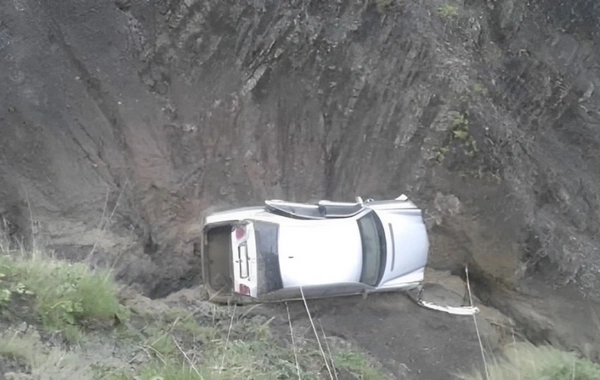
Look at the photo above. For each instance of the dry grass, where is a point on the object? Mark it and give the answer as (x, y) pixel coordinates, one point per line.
(225, 344)
(524, 361)
(40, 361)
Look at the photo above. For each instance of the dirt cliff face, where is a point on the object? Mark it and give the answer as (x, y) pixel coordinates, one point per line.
(122, 122)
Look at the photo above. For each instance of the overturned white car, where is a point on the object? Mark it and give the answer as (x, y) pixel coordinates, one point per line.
(285, 251)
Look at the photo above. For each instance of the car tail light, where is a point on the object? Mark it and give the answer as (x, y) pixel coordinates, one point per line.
(243, 289)
(240, 232)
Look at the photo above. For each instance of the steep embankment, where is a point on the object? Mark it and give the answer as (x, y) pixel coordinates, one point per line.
(121, 122)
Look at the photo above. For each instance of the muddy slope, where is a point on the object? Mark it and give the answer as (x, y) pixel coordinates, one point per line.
(120, 122)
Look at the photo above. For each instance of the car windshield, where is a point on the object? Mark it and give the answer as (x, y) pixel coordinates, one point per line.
(373, 249)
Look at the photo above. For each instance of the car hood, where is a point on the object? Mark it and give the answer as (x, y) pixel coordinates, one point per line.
(320, 252)
(406, 236)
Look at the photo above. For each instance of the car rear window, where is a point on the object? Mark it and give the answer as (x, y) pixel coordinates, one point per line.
(269, 274)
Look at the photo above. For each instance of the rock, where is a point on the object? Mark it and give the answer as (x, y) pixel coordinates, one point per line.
(447, 204)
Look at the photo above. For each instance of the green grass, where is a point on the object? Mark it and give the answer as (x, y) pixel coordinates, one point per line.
(448, 11)
(65, 295)
(480, 89)
(525, 361)
(218, 346)
(245, 348)
(460, 127)
(356, 364)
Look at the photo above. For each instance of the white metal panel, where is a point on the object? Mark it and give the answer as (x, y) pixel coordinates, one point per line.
(324, 252)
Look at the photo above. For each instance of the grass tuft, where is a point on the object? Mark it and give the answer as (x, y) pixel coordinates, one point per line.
(65, 295)
(14, 347)
(356, 364)
(43, 363)
(448, 11)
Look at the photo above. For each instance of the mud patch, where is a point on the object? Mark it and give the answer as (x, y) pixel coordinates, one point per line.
(411, 342)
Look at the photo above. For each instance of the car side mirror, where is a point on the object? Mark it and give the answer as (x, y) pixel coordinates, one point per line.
(359, 200)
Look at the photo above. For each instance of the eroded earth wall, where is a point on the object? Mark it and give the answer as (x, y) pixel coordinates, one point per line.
(122, 121)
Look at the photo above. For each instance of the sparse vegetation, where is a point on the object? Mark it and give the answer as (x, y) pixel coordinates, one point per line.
(460, 127)
(448, 11)
(382, 5)
(480, 89)
(171, 344)
(223, 345)
(441, 154)
(527, 362)
(236, 347)
(357, 364)
(459, 133)
(39, 361)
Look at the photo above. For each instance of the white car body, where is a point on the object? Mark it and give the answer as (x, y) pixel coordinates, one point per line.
(285, 250)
